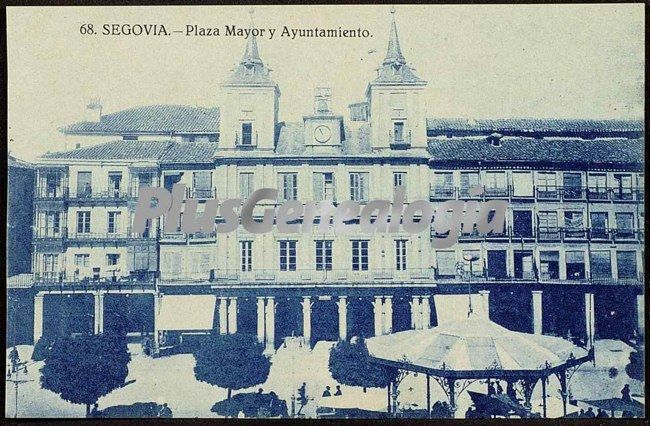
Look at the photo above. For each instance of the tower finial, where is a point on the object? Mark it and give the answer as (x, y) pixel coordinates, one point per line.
(394, 53)
(251, 55)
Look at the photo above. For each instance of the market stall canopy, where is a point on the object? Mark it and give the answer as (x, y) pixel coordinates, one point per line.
(618, 404)
(472, 347)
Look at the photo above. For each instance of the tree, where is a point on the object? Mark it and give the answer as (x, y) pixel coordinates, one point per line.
(350, 364)
(231, 361)
(84, 368)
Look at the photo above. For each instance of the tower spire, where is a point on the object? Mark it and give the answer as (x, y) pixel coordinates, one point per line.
(252, 54)
(394, 52)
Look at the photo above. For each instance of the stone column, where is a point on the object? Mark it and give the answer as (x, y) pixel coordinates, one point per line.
(590, 320)
(343, 320)
(640, 314)
(415, 313)
(38, 317)
(537, 312)
(388, 314)
(232, 316)
(270, 324)
(426, 312)
(223, 315)
(99, 313)
(379, 313)
(260, 319)
(485, 299)
(156, 338)
(306, 320)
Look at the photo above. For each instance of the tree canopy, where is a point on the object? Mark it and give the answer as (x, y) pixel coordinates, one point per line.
(84, 368)
(350, 365)
(231, 361)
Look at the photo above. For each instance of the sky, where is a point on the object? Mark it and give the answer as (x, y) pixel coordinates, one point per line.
(481, 61)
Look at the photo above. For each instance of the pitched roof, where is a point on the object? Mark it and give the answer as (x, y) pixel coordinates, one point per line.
(521, 149)
(160, 119)
(115, 150)
(17, 162)
(394, 69)
(189, 152)
(531, 125)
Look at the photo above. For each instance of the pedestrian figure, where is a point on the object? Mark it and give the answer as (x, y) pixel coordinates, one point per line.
(499, 388)
(327, 392)
(510, 390)
(94, 413)
(469, 414)
(625, 393)
(491, 389)
(590, 413)
(302, 394)
(581, 414)
(338, 391)
(601, 414)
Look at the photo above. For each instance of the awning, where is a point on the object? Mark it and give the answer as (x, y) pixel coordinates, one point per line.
(194, 312)
(452, 308)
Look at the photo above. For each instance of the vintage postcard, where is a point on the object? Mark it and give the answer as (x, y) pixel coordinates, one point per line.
(326, 212)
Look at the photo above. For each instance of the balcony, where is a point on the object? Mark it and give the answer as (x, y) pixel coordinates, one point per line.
(597, 194)
(50, 233)
(399, 141)
(73, 281)
(201, 193)
(342, 277)
(627, 234)
(49, 192)
(178, 237)
(442, 193)
(574, 234)
(91, 194)
(548, 233)
(573, 193)
(547, 192)
(496, 192)
(246, 142)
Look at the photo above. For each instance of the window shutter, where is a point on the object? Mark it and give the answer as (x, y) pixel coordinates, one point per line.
(319, 181)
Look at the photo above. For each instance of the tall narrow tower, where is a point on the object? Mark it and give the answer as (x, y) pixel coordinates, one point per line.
(249, 111)
(396, 100)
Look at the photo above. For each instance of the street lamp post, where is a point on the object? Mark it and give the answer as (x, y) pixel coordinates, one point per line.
(470, 258)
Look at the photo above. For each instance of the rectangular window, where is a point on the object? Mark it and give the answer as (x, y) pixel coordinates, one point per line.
(112, 259)
(83, 222)
(202, 184)
(398, 132)
(522, 184)
(52, 184)
(82, 260)
(467, 181)
(575, 265)
(399, 179)
(400, 255)
(287, 255)
(597, 186)
(572, 186)
(495, 184)
(52, 224)
(246, 187)
(622, 187)
(601, 265)
(288, 186)
(114, 184)
(497, 264)
(625, 225)
(113, 222)
(84, 185)
(574, 226)
(324, 255)
(359, 186)
(50, 262)
(323, 186)
(548, 226)
(446, 261)
(522, 223)
(246, 256)
(523, 262)
(599, 225)
(443, 185)
(547, 185)
(549, 265)
(360, 255)
(247, 134)
(626, 263)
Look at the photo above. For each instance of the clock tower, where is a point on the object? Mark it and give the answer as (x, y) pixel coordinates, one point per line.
(396, 101)
(323, 130)
(249, 112)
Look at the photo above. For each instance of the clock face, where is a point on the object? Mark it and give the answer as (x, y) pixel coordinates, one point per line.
(322, 134)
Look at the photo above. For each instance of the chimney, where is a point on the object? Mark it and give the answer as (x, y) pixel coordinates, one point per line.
(94, 110)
